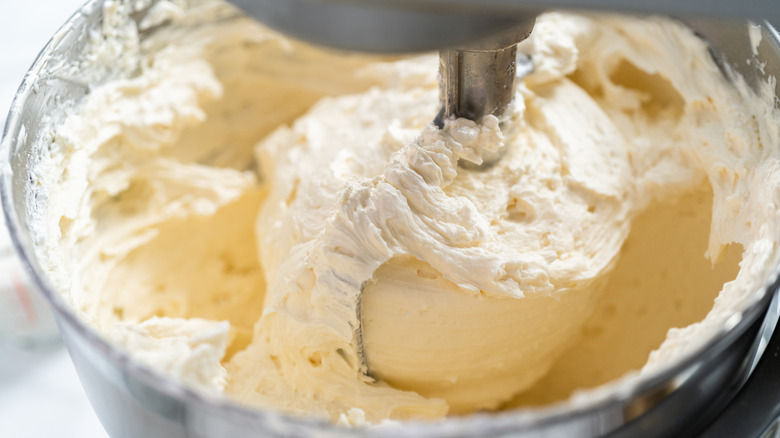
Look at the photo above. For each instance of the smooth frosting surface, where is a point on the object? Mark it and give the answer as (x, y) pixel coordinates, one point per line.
(271, 221)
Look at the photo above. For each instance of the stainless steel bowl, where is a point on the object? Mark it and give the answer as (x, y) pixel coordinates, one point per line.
(135, 401)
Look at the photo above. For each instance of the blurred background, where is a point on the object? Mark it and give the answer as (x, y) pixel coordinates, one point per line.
(40, 394)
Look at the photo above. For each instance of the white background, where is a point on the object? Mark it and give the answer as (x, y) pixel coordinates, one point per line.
(40, 395)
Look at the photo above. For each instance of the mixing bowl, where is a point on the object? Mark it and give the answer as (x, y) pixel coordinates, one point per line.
(132, 400)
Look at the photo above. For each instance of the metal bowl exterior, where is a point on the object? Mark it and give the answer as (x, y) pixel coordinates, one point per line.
(133, 401)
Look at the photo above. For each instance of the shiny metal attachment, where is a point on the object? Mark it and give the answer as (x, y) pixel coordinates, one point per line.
(479, 79)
